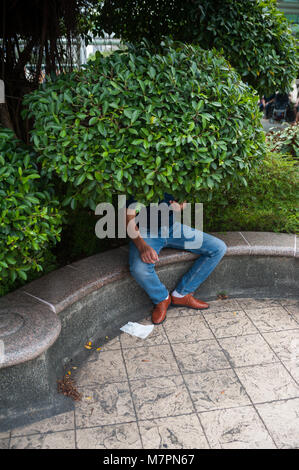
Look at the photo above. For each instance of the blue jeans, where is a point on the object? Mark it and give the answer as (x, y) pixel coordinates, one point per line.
(210, 249)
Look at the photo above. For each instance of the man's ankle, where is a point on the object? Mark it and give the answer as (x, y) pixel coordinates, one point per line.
(177, 294)
(165, 298)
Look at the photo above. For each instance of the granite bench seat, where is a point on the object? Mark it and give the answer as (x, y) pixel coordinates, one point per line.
(45, 324)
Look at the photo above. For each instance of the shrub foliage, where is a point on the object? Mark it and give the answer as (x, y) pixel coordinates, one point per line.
(29, 217)
(285, 141)
(270, 202)
(141, 123)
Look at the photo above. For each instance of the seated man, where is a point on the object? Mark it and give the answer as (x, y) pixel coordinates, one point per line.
(281, 100)
(262, 103)
(297, 111)
(144, 253)
(268, 105)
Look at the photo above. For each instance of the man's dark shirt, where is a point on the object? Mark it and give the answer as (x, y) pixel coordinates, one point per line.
(269, 98)
(156, 222)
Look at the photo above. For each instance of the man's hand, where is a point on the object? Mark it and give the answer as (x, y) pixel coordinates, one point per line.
(147, 253)
(178, 206)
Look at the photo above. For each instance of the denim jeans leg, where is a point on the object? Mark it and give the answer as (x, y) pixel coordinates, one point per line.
(211, 252)
(145, 274)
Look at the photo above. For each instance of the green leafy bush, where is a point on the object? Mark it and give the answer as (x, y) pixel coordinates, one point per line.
(143, 123)
(29, 216)
(285, 141)
(270, 202)
(254, 35)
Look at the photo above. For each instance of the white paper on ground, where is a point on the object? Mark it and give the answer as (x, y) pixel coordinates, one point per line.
(135, 329)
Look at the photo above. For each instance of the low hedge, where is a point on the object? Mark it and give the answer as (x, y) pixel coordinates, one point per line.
(270, 201)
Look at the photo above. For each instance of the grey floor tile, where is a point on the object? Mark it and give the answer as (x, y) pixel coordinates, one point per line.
(215, 390)
(108, 368)
(62, 422)
(247, 350)
(187, 329)
(216, 306)
(293, 367)
(4, 444)
(111, 344)
(253, 304)
(230, 323)
(271, 319)
(121, 436)
(267, 382)
(106, 419)
(180, 432)
(180, 312)
(200, 357)
(236, 428)
(160, 397)
(291, 302)
(56, 440)
(282, 420)
(155, 338)
(285, 344)
(147, 362)
(105, 404)
(293, 309)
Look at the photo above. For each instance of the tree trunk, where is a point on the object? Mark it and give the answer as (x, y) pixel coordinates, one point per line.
(5, 120)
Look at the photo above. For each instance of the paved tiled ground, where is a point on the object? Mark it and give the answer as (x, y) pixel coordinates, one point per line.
(224, 378)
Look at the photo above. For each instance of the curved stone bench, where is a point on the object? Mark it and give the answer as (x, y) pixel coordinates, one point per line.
(45, 324)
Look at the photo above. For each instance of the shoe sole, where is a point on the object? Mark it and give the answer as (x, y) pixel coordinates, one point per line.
(160, 323)
(187, 306)
(175, 306)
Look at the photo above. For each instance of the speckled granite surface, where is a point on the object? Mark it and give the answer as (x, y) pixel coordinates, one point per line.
(27, 327)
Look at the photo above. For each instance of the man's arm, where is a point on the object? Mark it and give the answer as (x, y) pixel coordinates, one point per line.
(147, 253)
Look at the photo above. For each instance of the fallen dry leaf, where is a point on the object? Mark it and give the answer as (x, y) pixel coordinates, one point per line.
(222, 296)
(67, 387)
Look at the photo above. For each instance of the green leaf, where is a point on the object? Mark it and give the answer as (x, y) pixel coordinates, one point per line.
(93, 121)
(22, 274)
(102, 129)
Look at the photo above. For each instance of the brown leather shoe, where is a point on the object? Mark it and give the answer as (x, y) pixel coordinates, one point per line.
(159, 312)
(189, 301)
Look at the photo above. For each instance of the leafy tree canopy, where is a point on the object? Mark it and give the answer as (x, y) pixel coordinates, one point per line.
(37, 37)
(254, 35)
